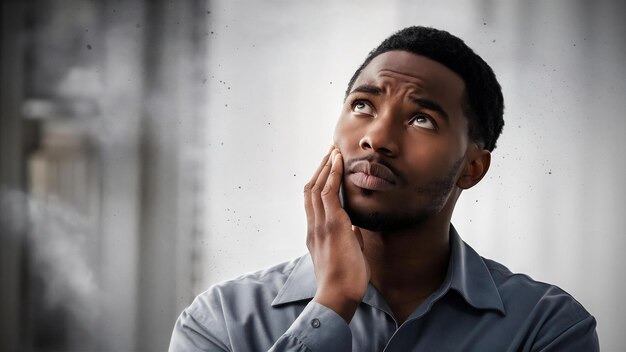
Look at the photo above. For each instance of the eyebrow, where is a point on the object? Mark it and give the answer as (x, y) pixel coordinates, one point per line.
(366, 88)
(424, 103)
(431, 105)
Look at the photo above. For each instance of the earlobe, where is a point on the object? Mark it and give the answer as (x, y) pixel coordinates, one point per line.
(475, 169)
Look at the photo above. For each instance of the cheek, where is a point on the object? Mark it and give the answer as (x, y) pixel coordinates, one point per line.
(423, 160)
(345, 133)
(430, 160)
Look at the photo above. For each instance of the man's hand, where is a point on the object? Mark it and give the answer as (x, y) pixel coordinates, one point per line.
(335, 245)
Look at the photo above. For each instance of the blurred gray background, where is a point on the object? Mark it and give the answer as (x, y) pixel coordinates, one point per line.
(149, 149)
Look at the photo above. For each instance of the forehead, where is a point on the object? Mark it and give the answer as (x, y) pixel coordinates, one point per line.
(419, 73)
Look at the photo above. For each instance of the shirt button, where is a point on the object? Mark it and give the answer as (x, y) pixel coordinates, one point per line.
(315, 323)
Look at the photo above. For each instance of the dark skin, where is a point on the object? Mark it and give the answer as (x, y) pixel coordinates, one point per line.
(404, 116)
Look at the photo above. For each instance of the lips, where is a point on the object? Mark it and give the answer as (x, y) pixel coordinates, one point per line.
(372, 176)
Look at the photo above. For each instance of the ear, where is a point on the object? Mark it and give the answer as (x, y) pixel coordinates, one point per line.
(476, 168)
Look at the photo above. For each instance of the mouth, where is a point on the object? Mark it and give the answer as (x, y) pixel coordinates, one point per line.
(372, 176)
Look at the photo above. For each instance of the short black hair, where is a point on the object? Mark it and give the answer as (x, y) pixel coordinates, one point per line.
(484, 103)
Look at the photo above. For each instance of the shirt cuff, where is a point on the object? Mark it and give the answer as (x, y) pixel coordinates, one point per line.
(319, 328)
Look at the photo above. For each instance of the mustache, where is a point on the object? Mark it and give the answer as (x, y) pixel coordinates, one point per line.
(374, 159)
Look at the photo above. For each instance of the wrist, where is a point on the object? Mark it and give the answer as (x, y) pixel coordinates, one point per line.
(343, 306)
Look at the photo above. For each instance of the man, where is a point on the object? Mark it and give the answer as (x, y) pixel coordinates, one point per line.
(386, 270)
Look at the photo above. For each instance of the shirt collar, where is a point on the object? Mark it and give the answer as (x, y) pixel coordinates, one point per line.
(300, 284)
(467, 274)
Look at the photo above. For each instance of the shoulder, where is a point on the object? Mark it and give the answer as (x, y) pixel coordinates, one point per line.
(548, 312)
(238, 293)
(229, 315)
(521, 288)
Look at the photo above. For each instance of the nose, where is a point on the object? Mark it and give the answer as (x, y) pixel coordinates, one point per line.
(381, 136)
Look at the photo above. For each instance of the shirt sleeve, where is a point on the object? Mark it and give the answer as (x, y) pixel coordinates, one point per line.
(190, 335)
(317, 328)
(202, 327)
(580, 337)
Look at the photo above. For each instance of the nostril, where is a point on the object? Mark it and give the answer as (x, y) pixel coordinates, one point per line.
(384, 151)
(365, 144)
(379, 143)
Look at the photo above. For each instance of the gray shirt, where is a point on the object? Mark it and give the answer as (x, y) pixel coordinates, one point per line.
(481, 306)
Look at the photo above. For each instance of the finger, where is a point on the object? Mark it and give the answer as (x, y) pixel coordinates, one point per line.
(321, 166)
(324, 172)
(308, 204)
(330, 193)
(309, 186)
(316, 199)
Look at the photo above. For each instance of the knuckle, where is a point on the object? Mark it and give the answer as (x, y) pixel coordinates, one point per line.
(316, 189)
(332, 224)
(307, 188)
(318, 230)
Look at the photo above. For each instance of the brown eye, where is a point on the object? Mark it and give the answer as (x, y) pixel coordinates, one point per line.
(423, 121)
(362, 107)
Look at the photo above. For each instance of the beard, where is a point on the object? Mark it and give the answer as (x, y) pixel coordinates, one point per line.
(435, 193)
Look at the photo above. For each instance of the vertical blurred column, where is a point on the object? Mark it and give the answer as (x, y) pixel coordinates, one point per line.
(122, 51)
(171, 165)
(112, 96)
(10, 173)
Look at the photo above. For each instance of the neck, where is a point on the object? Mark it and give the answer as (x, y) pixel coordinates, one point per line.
(407, 266)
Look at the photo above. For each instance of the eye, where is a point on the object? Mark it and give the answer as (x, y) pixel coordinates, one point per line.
(423, 121)
(363, 107)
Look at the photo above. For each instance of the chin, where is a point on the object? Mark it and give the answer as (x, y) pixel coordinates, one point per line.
(388, 220)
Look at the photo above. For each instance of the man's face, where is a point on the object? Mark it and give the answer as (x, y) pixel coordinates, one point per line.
(403, 136)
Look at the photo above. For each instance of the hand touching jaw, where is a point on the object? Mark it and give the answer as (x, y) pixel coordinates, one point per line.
(336, 247)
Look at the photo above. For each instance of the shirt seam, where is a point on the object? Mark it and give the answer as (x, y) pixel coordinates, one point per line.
(263, 273)
(589, 316)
